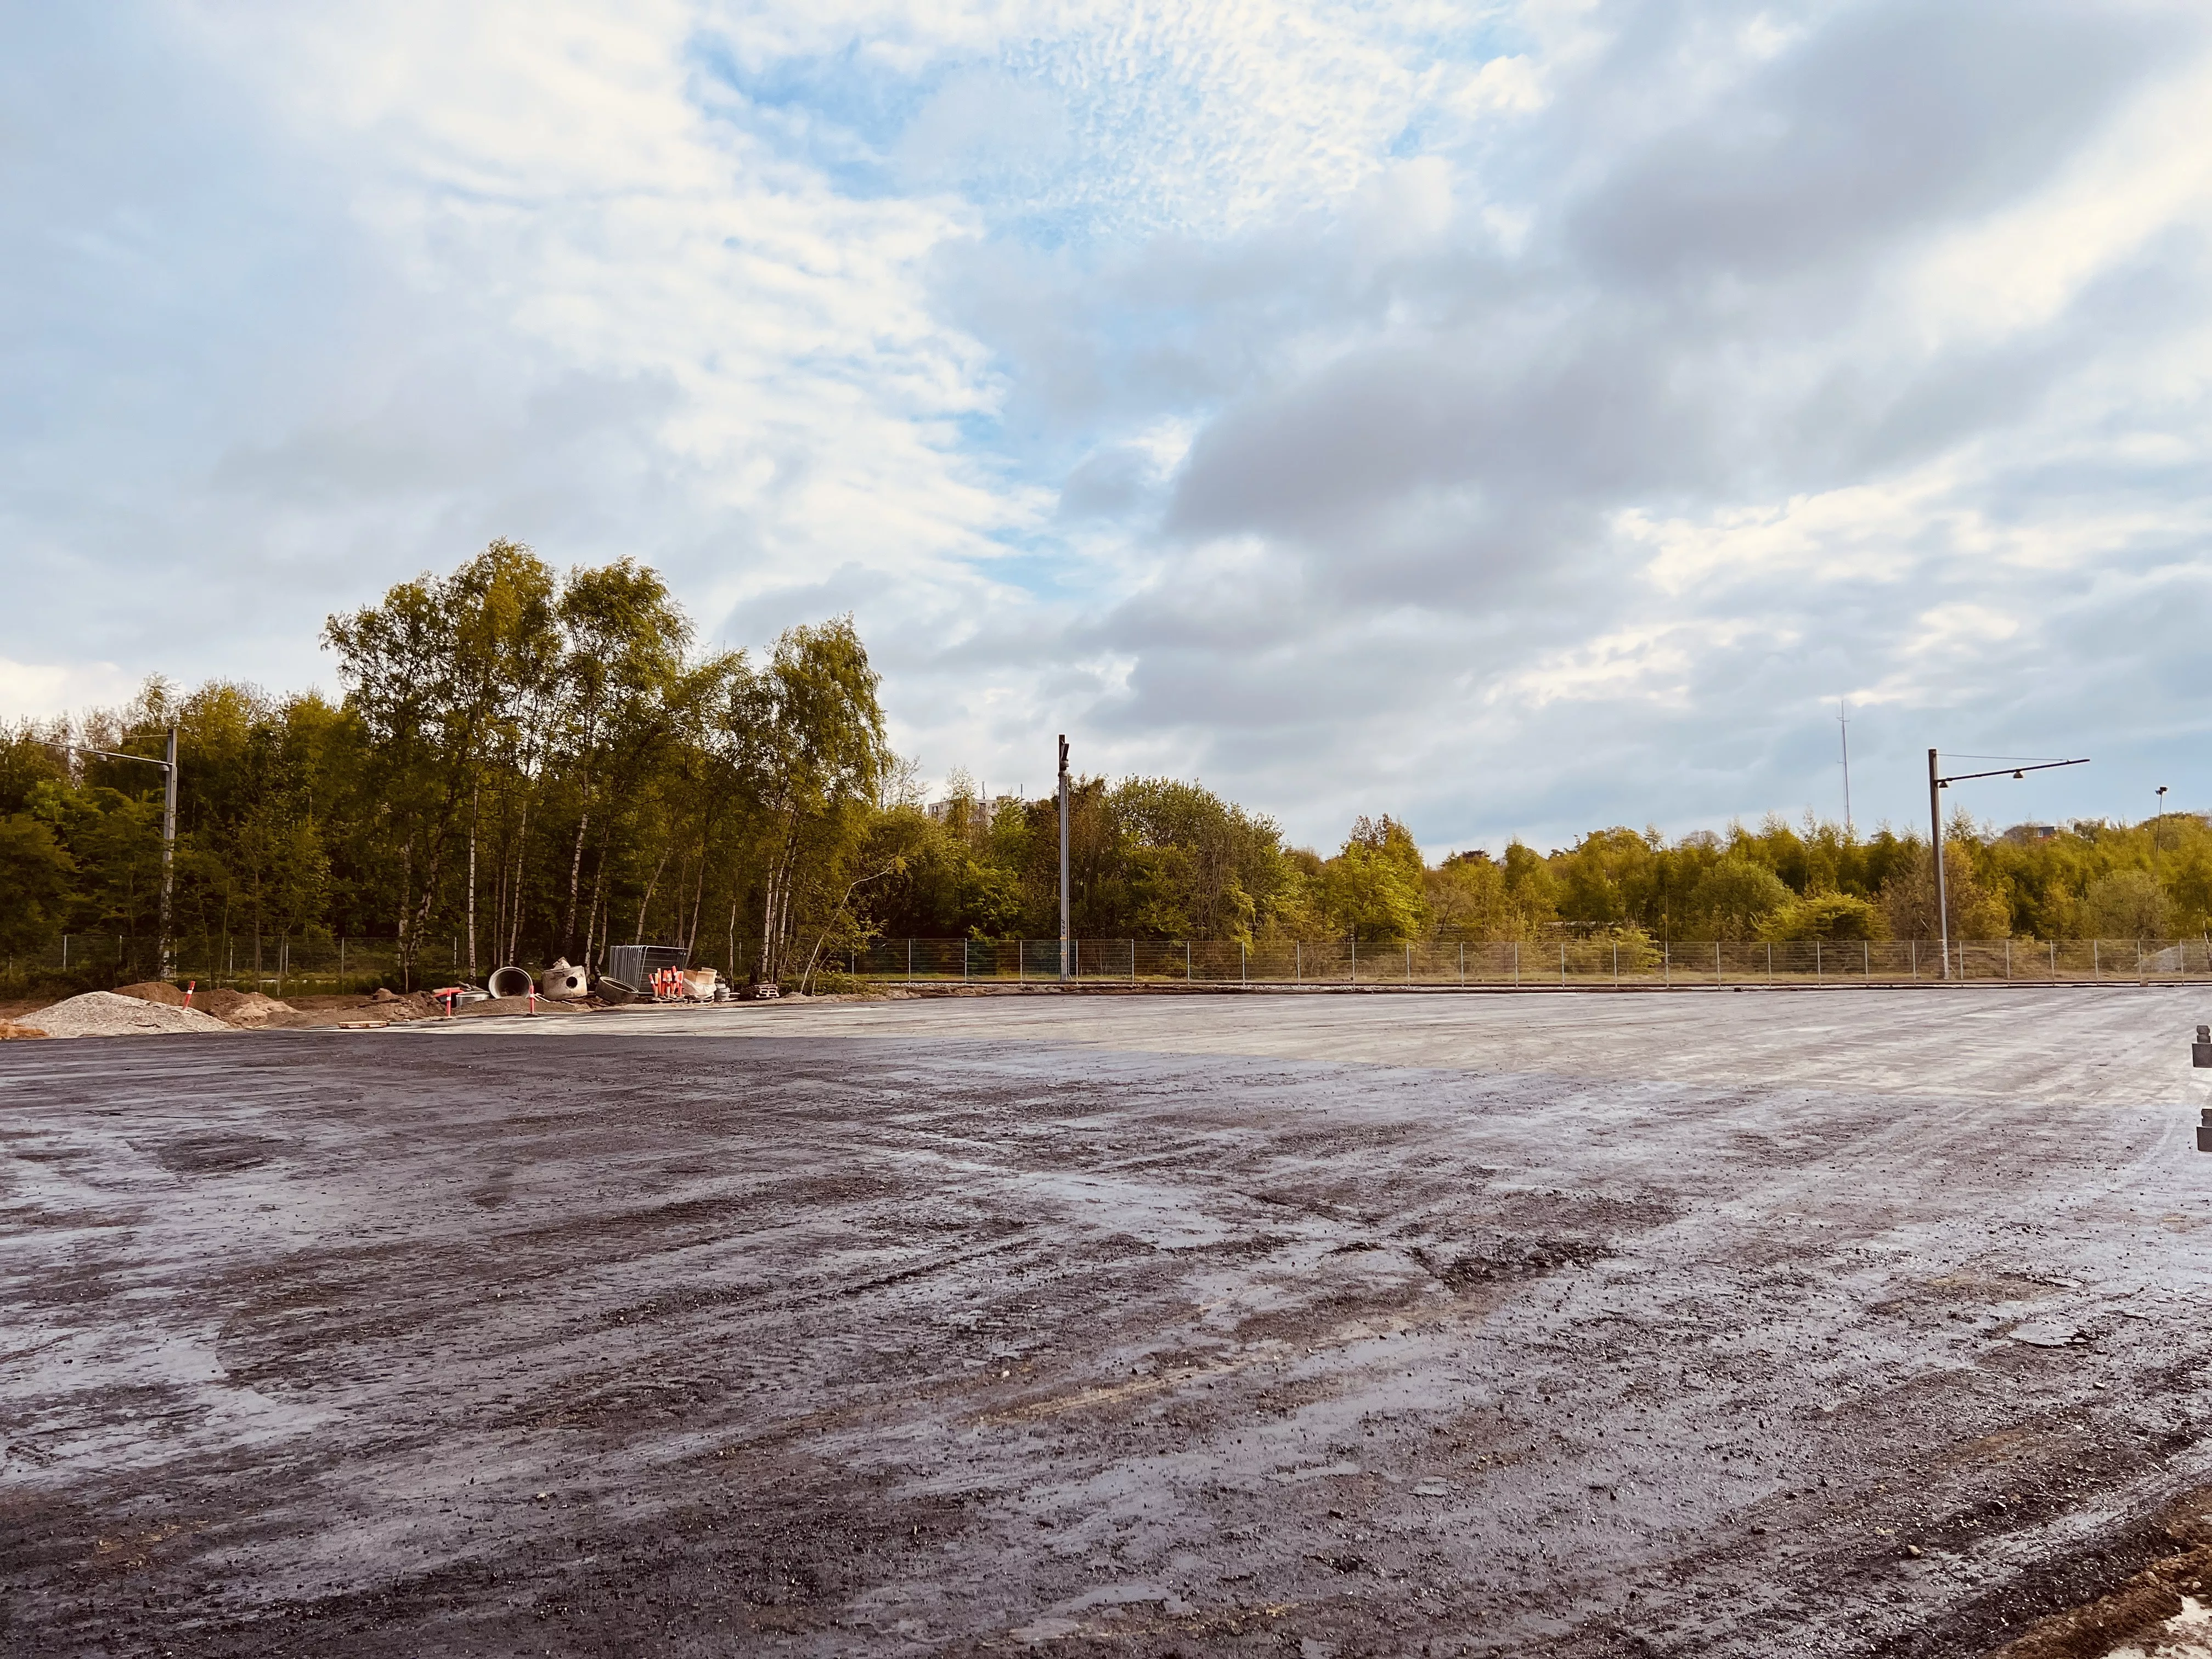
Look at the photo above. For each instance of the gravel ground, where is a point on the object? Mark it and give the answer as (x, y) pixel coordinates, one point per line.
(104, 1014)
(1747, 1323)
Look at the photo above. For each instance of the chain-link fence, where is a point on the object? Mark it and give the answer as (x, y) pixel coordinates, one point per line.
(1533, 964)
(302, 966)
(277, 966)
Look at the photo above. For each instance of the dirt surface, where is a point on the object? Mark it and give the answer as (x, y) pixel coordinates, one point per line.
(154, 990)
(1732, 1324)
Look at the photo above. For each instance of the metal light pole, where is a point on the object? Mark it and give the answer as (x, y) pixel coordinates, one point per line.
(1936, 826)
(1063, 856)
(2157, 826)
(169, 834)
(1844, 729)
(1935, 840)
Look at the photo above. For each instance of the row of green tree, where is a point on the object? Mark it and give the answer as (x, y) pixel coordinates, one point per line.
(541, 764)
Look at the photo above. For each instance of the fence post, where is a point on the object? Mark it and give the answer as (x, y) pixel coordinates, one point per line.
(1716, 962)
(1666, 961)
(1243, 970)
(963, 962)
(910, 960)
(1616, 964)
(2007, 961)
(1462, 964)
(1409, 961)
(1185, 961)
(2054, 961)
(1355, 958)
(1865, 962)
(1913, 955)
(64, 953)
(1818, 974)
(1132, 962)
(1517, 964)
(1297, 963)
(2096, 959)
(1563, 964)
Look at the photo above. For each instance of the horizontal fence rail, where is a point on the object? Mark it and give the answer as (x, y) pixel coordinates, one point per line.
(305, 966)
(1586, 963)
(300, 965)
(1532, 963)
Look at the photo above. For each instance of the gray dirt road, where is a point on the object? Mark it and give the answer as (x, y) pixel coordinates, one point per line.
(1560, 1325)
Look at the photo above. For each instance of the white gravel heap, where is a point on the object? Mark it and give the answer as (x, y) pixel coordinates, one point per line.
(103, 1013)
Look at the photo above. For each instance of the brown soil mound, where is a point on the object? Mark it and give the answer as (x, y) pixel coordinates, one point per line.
(154, 990)
(240, 1008)
(2140, 1613)
(391, 1005)
(12, 1032)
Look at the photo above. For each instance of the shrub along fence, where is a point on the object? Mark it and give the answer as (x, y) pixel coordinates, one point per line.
(1582, 962)
(304, 967)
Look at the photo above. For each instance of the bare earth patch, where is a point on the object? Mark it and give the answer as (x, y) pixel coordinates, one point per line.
(1121, 1330)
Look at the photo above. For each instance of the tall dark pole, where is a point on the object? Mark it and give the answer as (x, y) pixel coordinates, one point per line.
(1937, 782)
(168, 765)
(1844, 727)
(1936, 841)
(169, 857)
(1064, 937)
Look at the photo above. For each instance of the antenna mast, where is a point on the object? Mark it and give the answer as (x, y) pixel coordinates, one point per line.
(1844, 729)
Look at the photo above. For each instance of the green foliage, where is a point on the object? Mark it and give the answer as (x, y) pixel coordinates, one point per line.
(1825, 915)
(1374, 888)
(35, 872)
(531, 762)
(1734, 899)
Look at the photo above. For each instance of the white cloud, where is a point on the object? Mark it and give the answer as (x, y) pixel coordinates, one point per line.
(1514, 417)
(31, 690)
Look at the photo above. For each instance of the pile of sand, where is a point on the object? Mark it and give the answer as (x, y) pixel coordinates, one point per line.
(103, 1013)
(389, 1005)
(231, 1007)
(239, 1007)
(153, 990)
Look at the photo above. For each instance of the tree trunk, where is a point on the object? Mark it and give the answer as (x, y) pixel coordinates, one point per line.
(776, 920)
(575, 880)
(646, 908)
(514, 903)
(475, 793)
(698, 899)
(594, 921)
(406, 902)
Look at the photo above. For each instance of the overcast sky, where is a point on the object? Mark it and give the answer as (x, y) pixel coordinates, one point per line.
(1516, 418)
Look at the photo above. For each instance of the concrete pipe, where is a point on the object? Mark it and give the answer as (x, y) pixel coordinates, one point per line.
(562, 982)
(509, 983)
